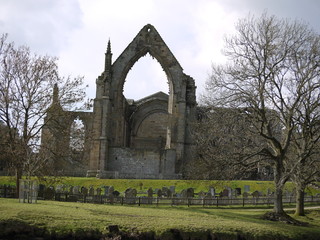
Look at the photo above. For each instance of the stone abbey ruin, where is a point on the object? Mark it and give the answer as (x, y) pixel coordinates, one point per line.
(148, 138)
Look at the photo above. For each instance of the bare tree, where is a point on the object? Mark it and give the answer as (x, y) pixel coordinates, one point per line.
(261, 77)
(26, 84)
(223, 136)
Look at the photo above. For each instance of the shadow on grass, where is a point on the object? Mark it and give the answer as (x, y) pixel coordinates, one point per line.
(17, 229)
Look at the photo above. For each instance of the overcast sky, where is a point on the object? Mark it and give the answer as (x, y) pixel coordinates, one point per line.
(77, 32)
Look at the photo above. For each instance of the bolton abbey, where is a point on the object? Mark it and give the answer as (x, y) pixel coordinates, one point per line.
(148, 138)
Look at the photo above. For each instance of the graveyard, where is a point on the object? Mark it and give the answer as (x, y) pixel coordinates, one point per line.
(84, 208)
(66, 220)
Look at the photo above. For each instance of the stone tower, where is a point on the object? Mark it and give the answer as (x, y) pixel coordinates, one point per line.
(148, 138)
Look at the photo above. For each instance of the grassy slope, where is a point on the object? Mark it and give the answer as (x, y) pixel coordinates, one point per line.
(63, 217)
(199, 185)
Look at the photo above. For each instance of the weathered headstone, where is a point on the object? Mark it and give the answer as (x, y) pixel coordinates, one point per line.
(247, 188)
(130, 195)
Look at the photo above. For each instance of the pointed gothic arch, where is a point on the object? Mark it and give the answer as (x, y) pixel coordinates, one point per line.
(114, 115)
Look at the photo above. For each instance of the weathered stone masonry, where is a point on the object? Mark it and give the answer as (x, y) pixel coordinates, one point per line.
(148, 138)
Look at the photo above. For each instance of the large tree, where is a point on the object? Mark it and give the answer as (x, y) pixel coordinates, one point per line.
(261, 76)
(26, 88)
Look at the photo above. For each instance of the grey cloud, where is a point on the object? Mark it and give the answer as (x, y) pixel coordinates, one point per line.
(43, 25)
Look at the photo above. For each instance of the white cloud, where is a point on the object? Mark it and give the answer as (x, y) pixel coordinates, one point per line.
(77, 31)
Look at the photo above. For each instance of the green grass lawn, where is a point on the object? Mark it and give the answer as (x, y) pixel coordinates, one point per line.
(63, 217)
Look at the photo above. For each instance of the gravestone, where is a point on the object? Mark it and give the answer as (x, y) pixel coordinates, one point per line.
(110, 191)
(255, 194)
(245, 195)
(212, 191)
(76, 190)
(173, 189)
(49, 193)
(224, 193)
(201, 194)
(59, 188)
(166, 192)
(238, 191)
(183, 193)
(91, 191)
(150, 193)
(130, 195)
(98, 191)
(71, 190)
(41, 191)
(208, 199)
(84, 191)
(230, 192)
(106, 190)
(159, 193)
(247, 188)
(190, 193)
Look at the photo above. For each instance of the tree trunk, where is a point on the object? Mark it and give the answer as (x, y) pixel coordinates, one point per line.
(278, 205)
(299, 201)
(18, 177)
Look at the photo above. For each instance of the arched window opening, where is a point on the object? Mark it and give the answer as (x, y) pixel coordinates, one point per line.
(145, 78)
(77, 135)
